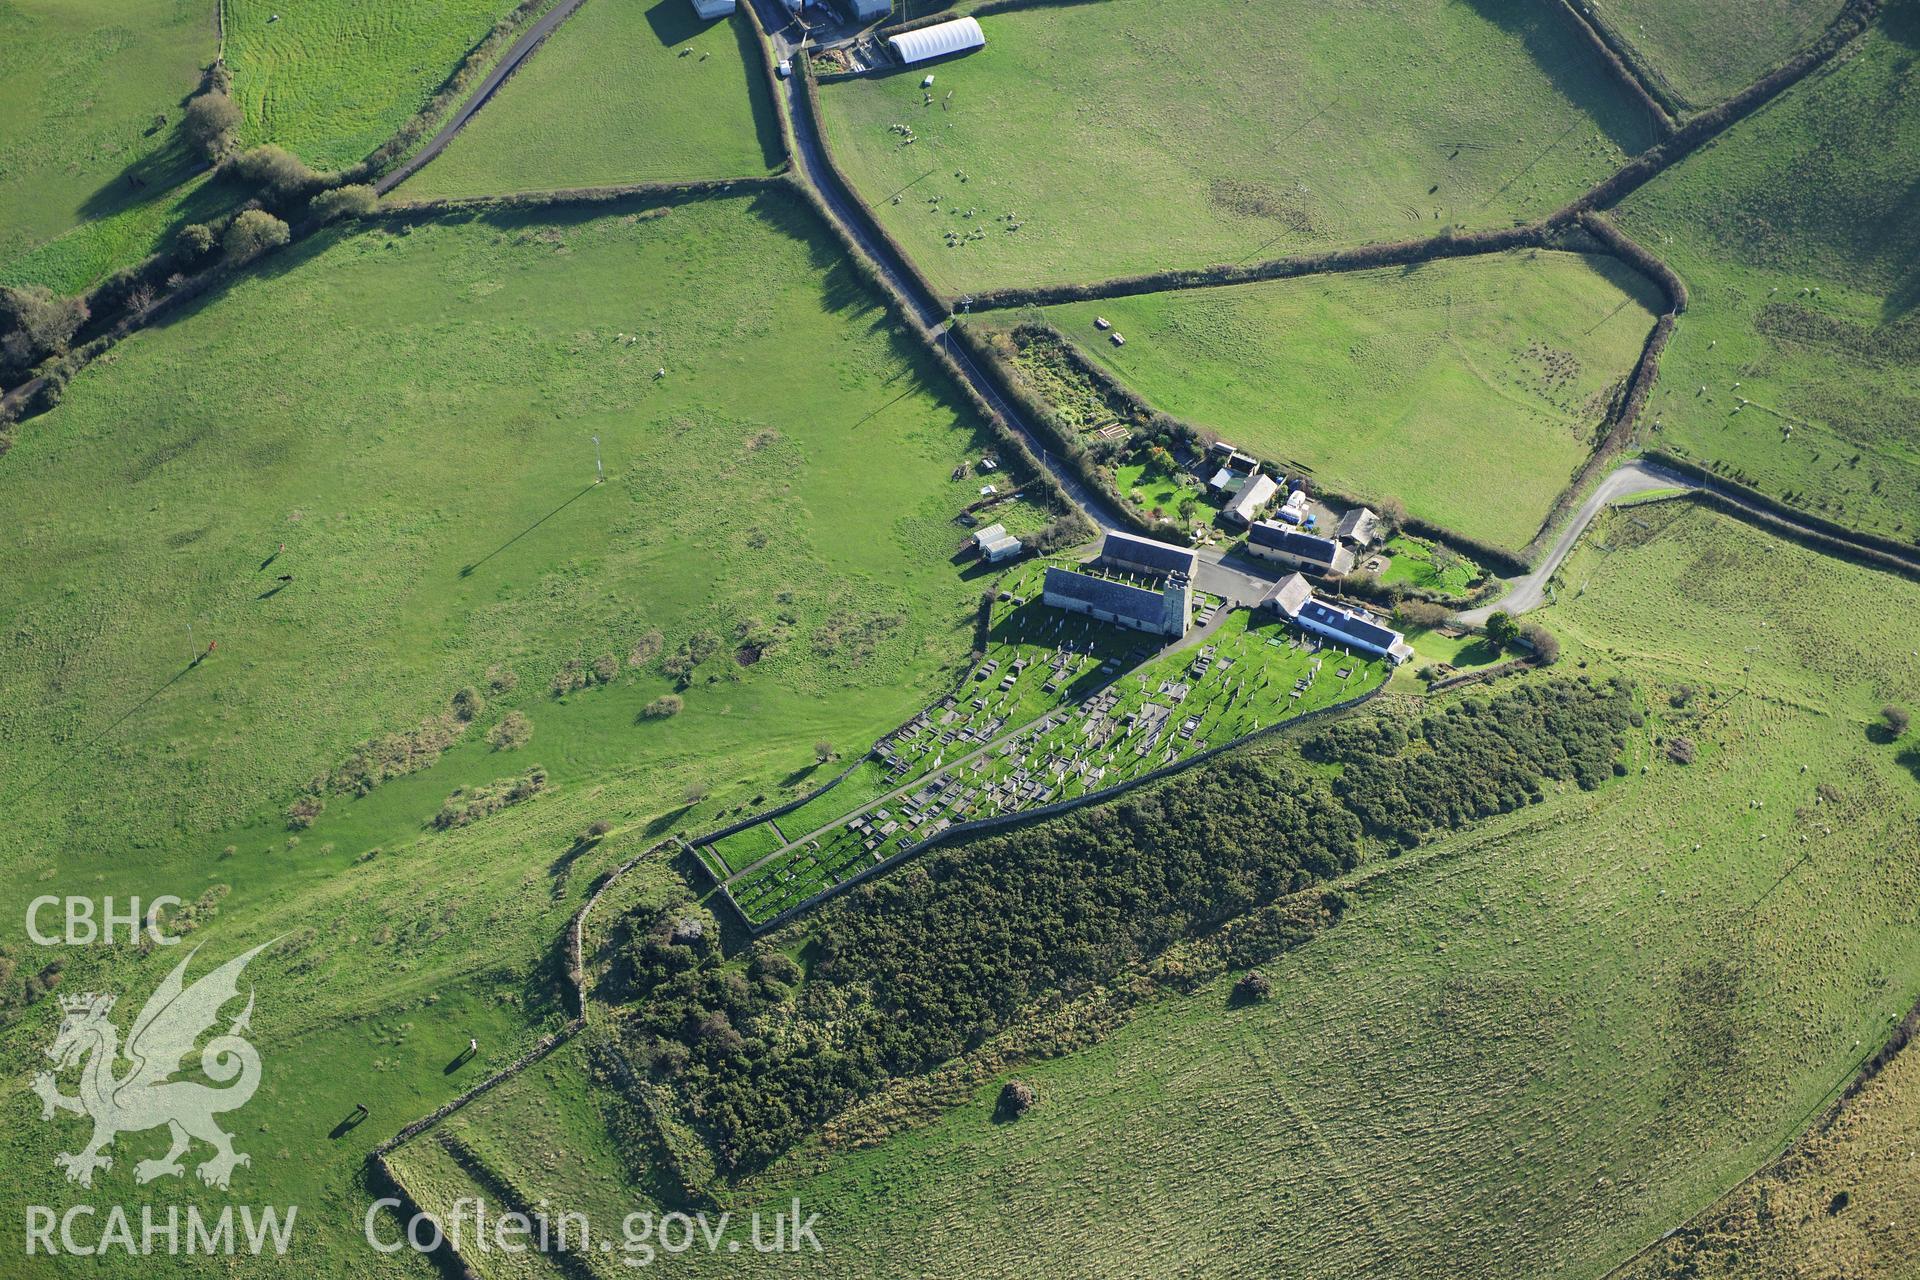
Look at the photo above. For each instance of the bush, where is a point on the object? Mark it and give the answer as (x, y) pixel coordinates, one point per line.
(1896, 719)
(355, 201)
(464, 807)
(1253, 986)
(667, 704)
(513, 732)
(1016, 1099)
(1681, 751)
(275, 171)
(211, 123)
(305, 811)
(1415, 615)
(468, 704)
(646, 649)
(197, 240)
(605, 668)
(251, 233)
(35, 323)
(1546, 645)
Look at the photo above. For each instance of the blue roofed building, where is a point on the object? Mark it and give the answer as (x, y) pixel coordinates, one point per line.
(1305, 552)
(1157, 606)
(1351, 629)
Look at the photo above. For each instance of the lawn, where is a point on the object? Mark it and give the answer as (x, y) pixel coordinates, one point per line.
(1529, 1049)
(331, 80)
(1088, 141)
(411, 413)
(1159, 492)
(625, 91)
(1412, 564)
(1707, 50)
(1797, 366)
(1471, 389)
(91, 95)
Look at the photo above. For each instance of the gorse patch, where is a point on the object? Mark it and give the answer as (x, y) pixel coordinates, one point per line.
(925, 964)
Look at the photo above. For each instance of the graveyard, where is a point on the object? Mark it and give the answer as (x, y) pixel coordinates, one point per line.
(958, 763)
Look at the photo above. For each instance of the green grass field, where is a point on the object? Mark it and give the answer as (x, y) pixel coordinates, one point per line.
(91, 99)
(411, 414)
(331, 80)
(1088, 141)
(624, 91)
(1707, 50)
(1472, 389)
(1529, 1049)
(1798, 234)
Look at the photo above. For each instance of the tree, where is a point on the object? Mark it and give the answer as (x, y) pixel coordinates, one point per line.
(1392, 513)
(211, 123)
(276, 170)
(1442, 558)
(35, 323)
(1897, 720)
(355, 201)
(1546, 645)
(197, 239)
(823, 751)
(695, 793)
(251, 233)
(1501, 628)
(1016, 1099)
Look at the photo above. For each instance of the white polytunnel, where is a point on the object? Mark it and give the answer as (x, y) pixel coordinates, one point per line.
(957, 36)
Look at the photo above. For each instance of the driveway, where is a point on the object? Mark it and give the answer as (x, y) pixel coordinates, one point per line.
(1528, 591)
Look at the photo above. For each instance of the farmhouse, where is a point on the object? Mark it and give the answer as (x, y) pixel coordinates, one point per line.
(1256, 493)
(1293, 599)
(710, 9)
(1359, 528)
(938, 41)
(1159, 608)
(1132, 553)
(1272, 540)
(868, 10)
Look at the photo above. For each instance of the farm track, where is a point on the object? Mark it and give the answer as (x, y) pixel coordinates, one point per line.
(508, 64)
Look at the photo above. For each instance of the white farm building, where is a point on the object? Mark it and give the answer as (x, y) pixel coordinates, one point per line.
(958, 36)
(708, 10)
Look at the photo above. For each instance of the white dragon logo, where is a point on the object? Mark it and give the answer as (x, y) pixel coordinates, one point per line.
(144, 1098)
